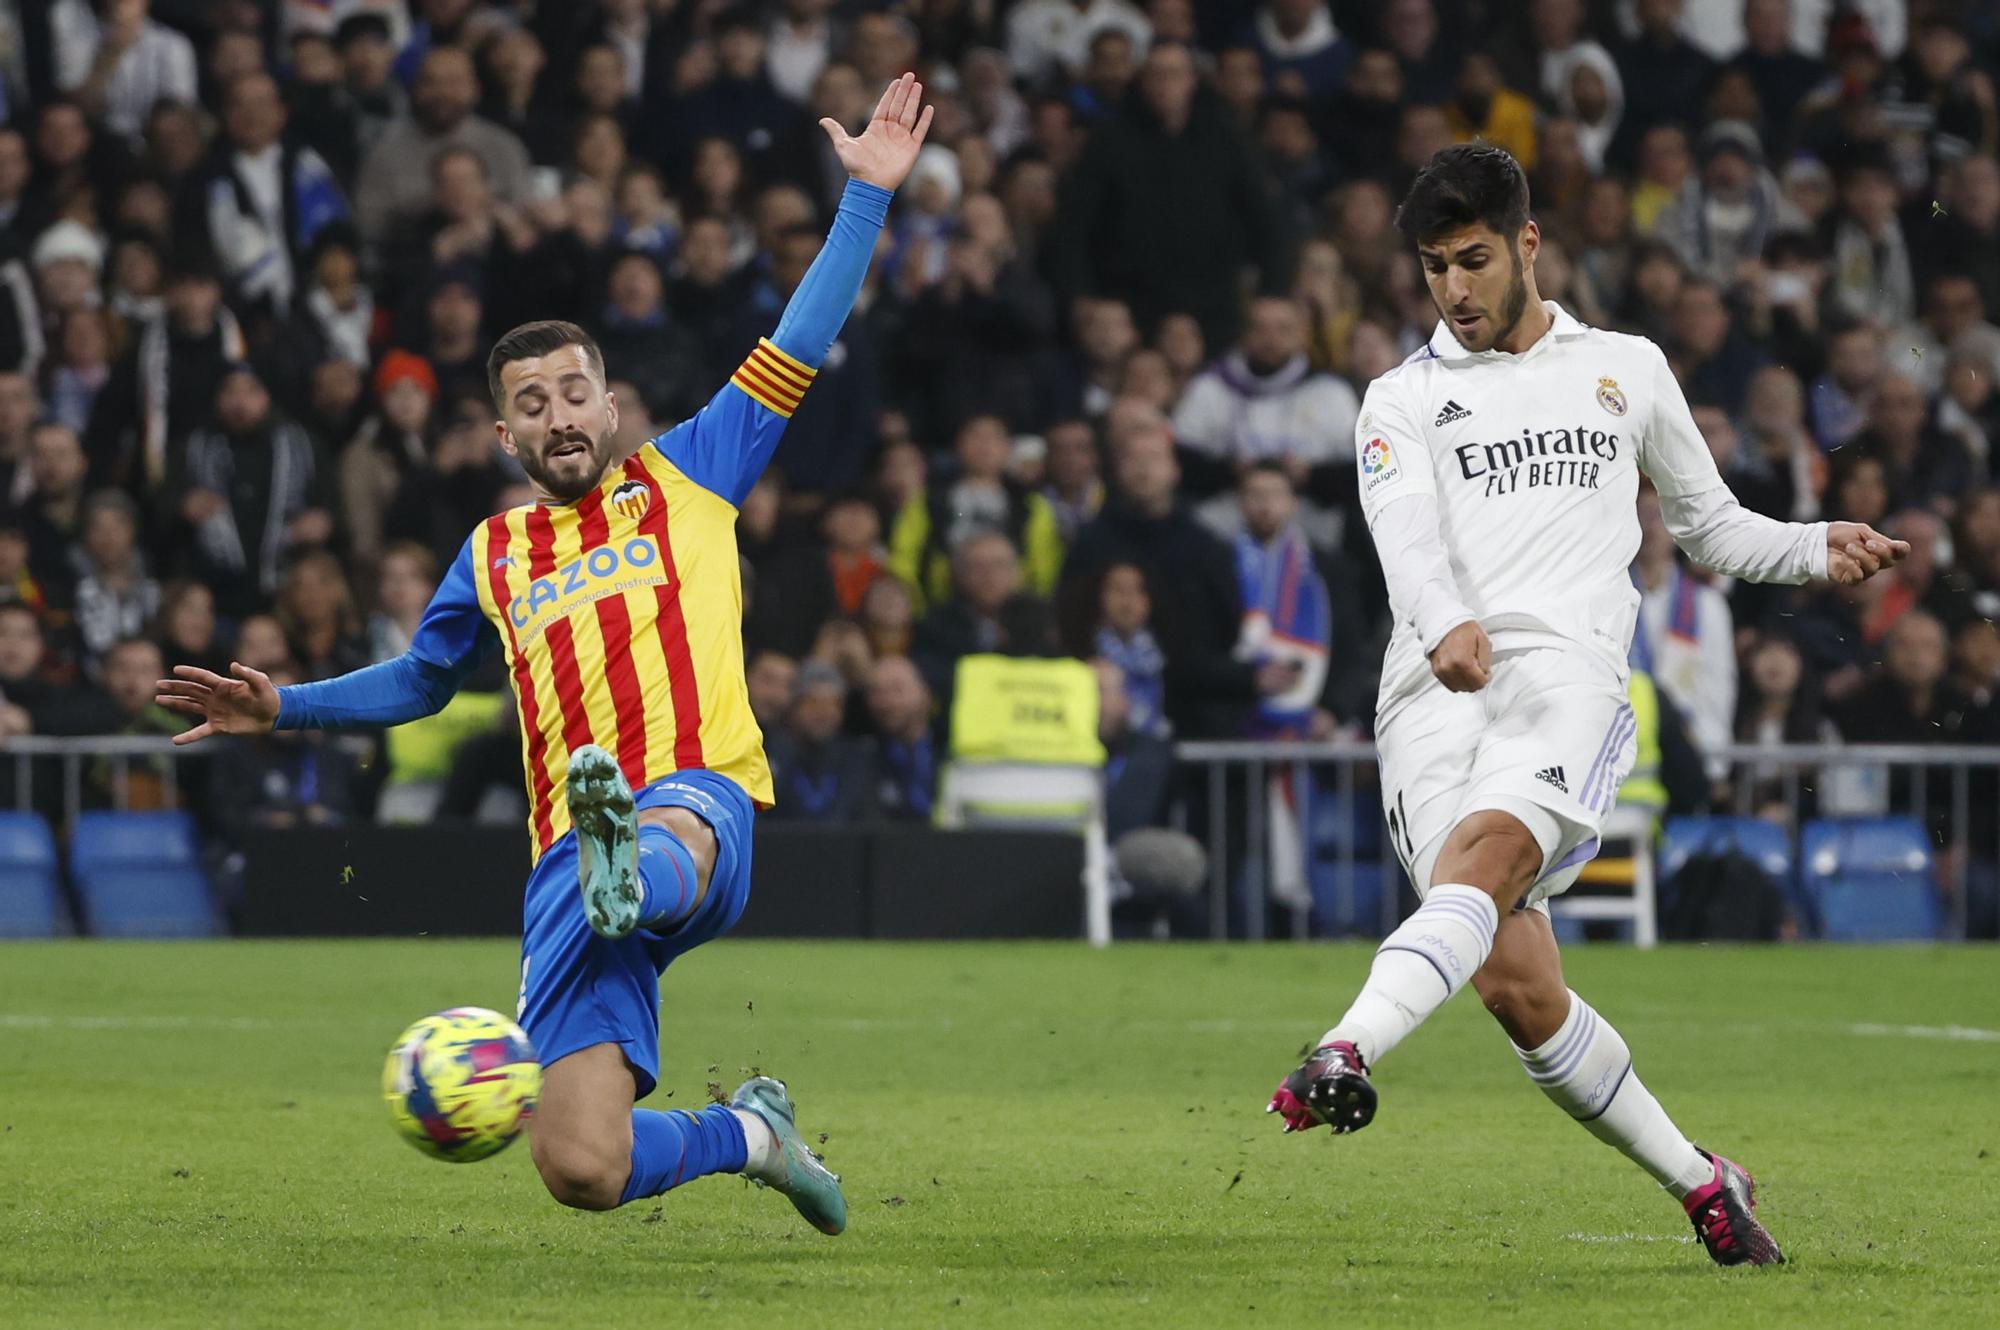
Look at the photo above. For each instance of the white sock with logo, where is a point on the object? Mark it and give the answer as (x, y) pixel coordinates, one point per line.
(1425, 961)
(1586, 1068)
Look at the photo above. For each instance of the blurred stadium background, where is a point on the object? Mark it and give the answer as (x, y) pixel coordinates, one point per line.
(1061, 623)
(1065, 537)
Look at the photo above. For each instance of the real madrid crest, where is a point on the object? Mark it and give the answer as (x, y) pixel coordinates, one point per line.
(631, 499)
(1610, 396)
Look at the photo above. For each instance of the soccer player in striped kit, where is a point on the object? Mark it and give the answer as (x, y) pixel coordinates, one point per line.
(1500, 472)
(617, 600)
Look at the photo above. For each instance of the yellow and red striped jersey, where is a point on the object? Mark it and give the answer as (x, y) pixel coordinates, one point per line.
(621, 615)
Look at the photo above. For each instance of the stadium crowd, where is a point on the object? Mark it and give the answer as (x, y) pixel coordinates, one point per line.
(1098, 398)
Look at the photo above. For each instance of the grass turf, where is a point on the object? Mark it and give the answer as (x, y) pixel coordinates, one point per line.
(1030, 1135)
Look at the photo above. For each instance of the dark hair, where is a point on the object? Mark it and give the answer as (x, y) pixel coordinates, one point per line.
(1270, 466)
(1463, 185)
(537, 339)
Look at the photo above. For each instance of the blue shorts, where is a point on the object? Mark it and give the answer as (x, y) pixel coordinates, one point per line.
(579, 989)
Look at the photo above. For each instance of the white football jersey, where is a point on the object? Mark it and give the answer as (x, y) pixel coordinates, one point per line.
(1534, 462)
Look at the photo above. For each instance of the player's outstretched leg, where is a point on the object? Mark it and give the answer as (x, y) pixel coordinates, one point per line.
(788, 1165)
(631, 874)
(1583, 1065)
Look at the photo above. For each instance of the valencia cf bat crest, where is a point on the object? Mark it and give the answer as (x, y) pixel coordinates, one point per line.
(631, 499)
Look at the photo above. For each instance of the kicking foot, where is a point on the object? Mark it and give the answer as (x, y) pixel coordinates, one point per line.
(607, 842)
(1331, 1087)
(795, 1170)
(1724, 1215)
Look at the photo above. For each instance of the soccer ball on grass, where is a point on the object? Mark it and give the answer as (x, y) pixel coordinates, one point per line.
(462, 1083)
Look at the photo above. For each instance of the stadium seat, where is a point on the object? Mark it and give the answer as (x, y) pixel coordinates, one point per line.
(31, 903)
(1869, 879)
(140, 875)
(1766, 843)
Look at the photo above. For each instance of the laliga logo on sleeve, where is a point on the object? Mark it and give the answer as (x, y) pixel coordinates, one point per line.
(631, 499)
(1375, 457)
(1610, 396)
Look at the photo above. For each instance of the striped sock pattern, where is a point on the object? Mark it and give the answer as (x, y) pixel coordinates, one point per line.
(1586, 1069)
(1428, 958)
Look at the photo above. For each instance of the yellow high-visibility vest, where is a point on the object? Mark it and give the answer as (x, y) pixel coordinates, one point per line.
(1643, 788)
(1025, 709)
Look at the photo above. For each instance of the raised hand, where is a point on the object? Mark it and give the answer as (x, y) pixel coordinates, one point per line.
(887, 148)
(1856, 551)
(246, 704)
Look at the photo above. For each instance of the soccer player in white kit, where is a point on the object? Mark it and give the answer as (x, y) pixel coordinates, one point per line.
(1499, 475)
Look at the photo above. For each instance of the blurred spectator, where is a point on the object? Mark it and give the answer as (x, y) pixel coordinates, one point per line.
(440, 115)
(20, 405)
(791, 583)
(1118, 630)
(1486, 108)
(854, 555)
(905, 734)
(117, 61)
(1781, 72)
(437, 504)
(53, 515)
(252, 489)
(1209, 692)
(1265, 402)
(164, 386)
(1779, 704)
(392, 442)
(316, 610)
(266, 199)
(928, 533)
(132, 669)
(1684, 637)
(1072, 483)
(1721, 218)
(986, 573)
(1839, 399)
(115, 596)
(1924, 465)
(1288, 613)
(1872, 276)
(1662, 72)
(261, 644)
(771, 676)
(404, 585)
(186, 628)
(820, 774)
(798, 45)
(1967, 238)
(1304, 55)
(1776, 469)
(1111, 241)
(646, 345)
(1359, 127)
(1715, 360)
(1047, 38)
(288, 778)
(889, 617)
(1954, 324)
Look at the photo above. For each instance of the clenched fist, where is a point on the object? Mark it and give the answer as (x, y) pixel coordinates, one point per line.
(1463, 662)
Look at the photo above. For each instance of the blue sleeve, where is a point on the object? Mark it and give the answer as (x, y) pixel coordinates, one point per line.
(450, 642)
(729, 442)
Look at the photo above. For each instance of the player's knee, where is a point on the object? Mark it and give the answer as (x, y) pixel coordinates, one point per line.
(1524, 1005)
(582, 1177)
(1493, 852)
(692, 832)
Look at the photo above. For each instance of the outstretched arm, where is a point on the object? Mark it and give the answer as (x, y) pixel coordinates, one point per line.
(1718, 533)
(728, 443)
(450, 642)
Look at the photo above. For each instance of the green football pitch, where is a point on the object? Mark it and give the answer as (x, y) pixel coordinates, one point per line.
(1031, 1135)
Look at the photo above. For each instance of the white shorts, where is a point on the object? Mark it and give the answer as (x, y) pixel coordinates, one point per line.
(1549, 740)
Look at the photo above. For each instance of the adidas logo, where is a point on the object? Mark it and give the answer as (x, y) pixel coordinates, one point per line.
(1554, 776)
(1452, 411)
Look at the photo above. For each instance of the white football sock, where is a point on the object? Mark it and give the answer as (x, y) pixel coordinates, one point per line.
(761, 1157)
(1586, 1068)
(1418, 966)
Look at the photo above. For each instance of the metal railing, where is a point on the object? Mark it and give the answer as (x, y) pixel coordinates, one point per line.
(123, 751)
(1933, 783)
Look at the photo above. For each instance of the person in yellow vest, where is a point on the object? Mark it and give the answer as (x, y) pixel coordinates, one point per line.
(939, 518)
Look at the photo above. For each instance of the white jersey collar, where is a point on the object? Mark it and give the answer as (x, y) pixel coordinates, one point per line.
(1563, 325)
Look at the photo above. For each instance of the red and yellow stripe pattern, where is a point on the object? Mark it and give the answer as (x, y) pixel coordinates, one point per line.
(774, 380)
(621, 616)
